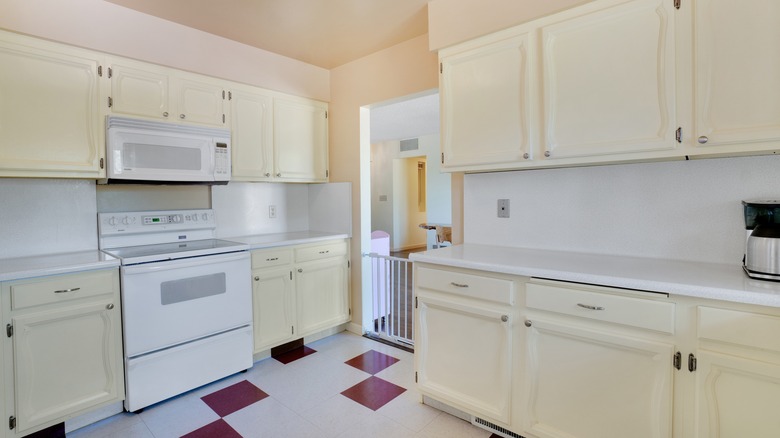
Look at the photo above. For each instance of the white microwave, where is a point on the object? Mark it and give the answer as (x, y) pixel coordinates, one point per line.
(142, 151)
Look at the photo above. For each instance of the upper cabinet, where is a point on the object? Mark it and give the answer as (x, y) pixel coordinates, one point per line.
(49, 110)
(737, 76)
(608, 80)
(252, 140)
(300, 140)
(485, 106)
(615, 81)
(146, 90)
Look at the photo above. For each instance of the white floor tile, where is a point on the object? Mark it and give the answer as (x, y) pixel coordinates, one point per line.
(124, 424)
(377, 426)
(269, 418)
(447, 426)
(408, 410)
(178, 416)
(338, 414)
(401, 373)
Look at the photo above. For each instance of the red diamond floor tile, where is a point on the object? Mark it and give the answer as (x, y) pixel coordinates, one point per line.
(373, 392)
(372, 361)
(228, 400)
(217, 429)
(294, 355)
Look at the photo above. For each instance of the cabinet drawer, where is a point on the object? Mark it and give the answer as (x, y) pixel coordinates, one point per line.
(62, 288)
(271, 257)
(736, 327)
(469, 285)
(630, 311)
(314, 252)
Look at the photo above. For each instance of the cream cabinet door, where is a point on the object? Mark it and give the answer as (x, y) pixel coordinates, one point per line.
(274, 307)
(737, 75)
(463, 354)
(591, 384)
(608, 81)
(198, 100)
(66, 360)
(321, 294)
(252, 140)
(139, 89)
(300, 132)
(485, 103)
(736, 397)
(50, 122)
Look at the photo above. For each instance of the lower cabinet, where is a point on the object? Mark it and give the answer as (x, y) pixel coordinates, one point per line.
(299, 290)
(63, 348)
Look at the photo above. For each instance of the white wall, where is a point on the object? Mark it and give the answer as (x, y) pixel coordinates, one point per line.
(684, 210)
(407, 216)
(43, 216)
(242, 208)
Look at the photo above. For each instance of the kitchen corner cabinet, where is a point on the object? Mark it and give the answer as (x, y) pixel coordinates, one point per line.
(140, 89)
(49, 110)
(300, 132)
(62, 355)
(298, 291)
(465, 331)
(485, 102)
(737, 76)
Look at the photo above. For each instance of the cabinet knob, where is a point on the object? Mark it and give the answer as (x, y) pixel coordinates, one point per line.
(165, 114)
(257, 278)
(300, 270)
(528, 323)
(526, 155)
(110, 306)
(703, 139)
(504, 318)
(278, 175)
(267, 175)
(547, 154)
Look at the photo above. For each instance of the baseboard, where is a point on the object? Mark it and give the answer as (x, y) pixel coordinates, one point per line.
(355, 328)
(93, 417)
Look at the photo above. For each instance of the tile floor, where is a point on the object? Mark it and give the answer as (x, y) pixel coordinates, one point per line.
(341, 386)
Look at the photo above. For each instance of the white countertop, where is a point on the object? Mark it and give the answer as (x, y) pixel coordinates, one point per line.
(63, 263)
(693, 279)
(259, 241)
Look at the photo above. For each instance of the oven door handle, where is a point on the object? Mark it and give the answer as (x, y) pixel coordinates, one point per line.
(166, 265)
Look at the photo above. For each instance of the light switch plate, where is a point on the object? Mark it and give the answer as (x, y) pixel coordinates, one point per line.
(503, 208)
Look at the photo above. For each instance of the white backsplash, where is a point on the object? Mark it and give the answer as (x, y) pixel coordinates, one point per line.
(46, 216)
(685, 210)
(242, 208)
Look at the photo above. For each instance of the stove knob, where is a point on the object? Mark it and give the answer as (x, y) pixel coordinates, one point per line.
(126, 220)
(194, 217)
(205, 216)
(112, 221)
(176, 218)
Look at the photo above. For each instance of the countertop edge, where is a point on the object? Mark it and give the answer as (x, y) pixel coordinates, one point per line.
(46, 265)
(262, 241)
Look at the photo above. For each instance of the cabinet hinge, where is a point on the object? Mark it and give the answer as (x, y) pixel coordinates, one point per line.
(9, 330)
(442, 158)
(415, 377)
(230, 95)
(290, 275)
(223, 94)
(100, 71)
(691, 362)
(102, 163)
(327, 173)
(349, 264)
(110, 102)
(110, 72)
(292, 329)
(415, 302)
(223, 118)
(441, 67)
(12, 422)
(350, 311)
(677, 361)
(677, 4)
(326, 114)
(678, 135)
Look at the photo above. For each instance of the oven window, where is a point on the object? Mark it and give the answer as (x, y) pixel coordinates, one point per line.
(193, 288)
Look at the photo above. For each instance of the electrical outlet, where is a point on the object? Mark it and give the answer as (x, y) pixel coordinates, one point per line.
(271, 211)
(503, 208)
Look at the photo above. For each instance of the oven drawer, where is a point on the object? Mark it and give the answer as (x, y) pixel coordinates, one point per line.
(62, 288)
(267, 258)
(602, 304)
(320, 251)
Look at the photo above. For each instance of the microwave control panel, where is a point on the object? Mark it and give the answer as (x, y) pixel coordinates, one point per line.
(221, 161)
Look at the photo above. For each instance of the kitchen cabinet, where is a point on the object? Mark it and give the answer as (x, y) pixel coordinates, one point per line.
(608, 81)
(465, 326)
(251, 119)
(485, 102)
(63, 349)
(50, 110)
(737, 76)
(299, 290)
(140, 89)
(587, 378)
(300, 133)
(737, 372)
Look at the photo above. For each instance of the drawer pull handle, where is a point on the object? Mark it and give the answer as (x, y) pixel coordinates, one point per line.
(585, 306)
(324, 252)
(459, 284)
(272, 260)
(63, 291)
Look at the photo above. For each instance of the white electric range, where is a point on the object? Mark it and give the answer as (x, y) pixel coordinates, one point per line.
(186, 301)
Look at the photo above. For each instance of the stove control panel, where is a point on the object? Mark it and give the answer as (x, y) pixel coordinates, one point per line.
(154, 221)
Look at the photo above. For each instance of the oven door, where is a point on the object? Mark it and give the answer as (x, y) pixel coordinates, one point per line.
(172, 302)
